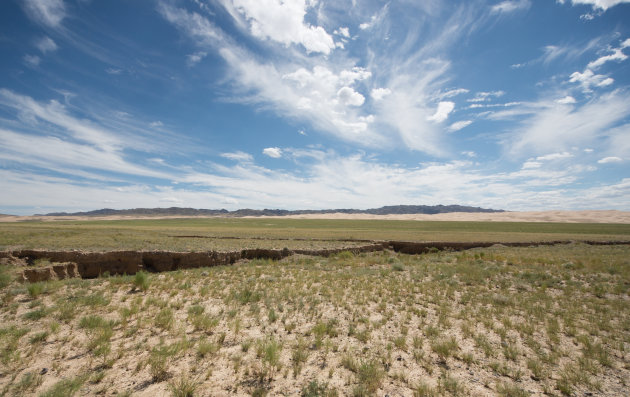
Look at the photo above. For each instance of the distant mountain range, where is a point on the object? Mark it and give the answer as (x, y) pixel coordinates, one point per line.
(177, 211)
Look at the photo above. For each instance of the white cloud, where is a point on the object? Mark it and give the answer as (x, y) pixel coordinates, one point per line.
(329, 91)
(47, 12)
(46, 44)
(283, 22)
(193, 59)
(354, 74)
(452, 93)
(274, 152)
(566, 100)
(238, 156)
(348, 96)
(71, 158)
(486, 96)
(618, 143)
(72, 130)
(508, 6)
(156, 124)
(171, 200)
(375, 19)
(551, 126)
(32, 60)
(335, 181)
(293, 91)
(607, 160)
(317, 95)
(626, 43)
(55, 113)
(588, 79)
(332, 181)
(617, 55)
(343, 31)
(195, 25)
(443, 110)
(379, 93)
(600, 4)
(567, 52)
(554, 156)
(528, 165)
(459, 125)
(113, 71)
(493, 105)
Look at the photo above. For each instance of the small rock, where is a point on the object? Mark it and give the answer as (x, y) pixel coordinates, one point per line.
(205, 273)
(43, 371)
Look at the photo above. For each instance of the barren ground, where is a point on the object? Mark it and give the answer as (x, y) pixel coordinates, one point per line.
(549, 320)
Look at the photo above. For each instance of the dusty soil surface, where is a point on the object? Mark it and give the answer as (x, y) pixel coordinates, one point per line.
(607, 216)
(495, 321)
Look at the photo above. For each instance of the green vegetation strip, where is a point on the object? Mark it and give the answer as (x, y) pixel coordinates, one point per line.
(276, 233)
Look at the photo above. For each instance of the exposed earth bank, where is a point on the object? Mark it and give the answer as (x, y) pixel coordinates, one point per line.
(68, 264)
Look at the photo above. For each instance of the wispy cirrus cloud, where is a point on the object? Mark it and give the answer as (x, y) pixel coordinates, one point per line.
(238, 156)
(612, 159)
(46, 44)
(67, 157)
(361, 104)
(589, 79)
(557, 126)
(31, 60)
(46, 12)
(49, 136)
(510, 6)
(458, 125)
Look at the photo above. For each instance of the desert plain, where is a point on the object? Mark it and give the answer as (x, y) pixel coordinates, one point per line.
(507, 304)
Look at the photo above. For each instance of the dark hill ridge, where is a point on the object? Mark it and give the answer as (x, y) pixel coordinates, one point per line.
(177, 211)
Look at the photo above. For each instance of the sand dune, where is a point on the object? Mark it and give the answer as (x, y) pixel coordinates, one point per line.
(610, 216)
(536, 216)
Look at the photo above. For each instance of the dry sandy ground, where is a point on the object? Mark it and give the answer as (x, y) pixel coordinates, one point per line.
(539, 216)
(609, 216)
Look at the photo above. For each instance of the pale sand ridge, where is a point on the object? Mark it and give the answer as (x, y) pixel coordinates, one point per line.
(607, 216)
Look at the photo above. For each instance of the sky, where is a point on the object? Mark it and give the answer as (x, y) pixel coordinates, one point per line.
(314, 104)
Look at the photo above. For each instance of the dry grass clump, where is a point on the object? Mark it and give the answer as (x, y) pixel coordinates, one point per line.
(503, 321)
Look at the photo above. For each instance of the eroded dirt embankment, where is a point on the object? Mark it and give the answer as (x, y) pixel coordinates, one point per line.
(65, 264)
(93, 264)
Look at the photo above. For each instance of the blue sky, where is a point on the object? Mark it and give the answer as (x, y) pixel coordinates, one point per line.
(314, 104)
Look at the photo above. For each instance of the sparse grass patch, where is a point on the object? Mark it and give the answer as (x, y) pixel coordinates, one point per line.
(510, 390)
(183, 386)
(36, 289)
(9, 342)
(317, 389)
(65, 387)
(141, 281)
(164, 319)
(445, 348)
(28, 383)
